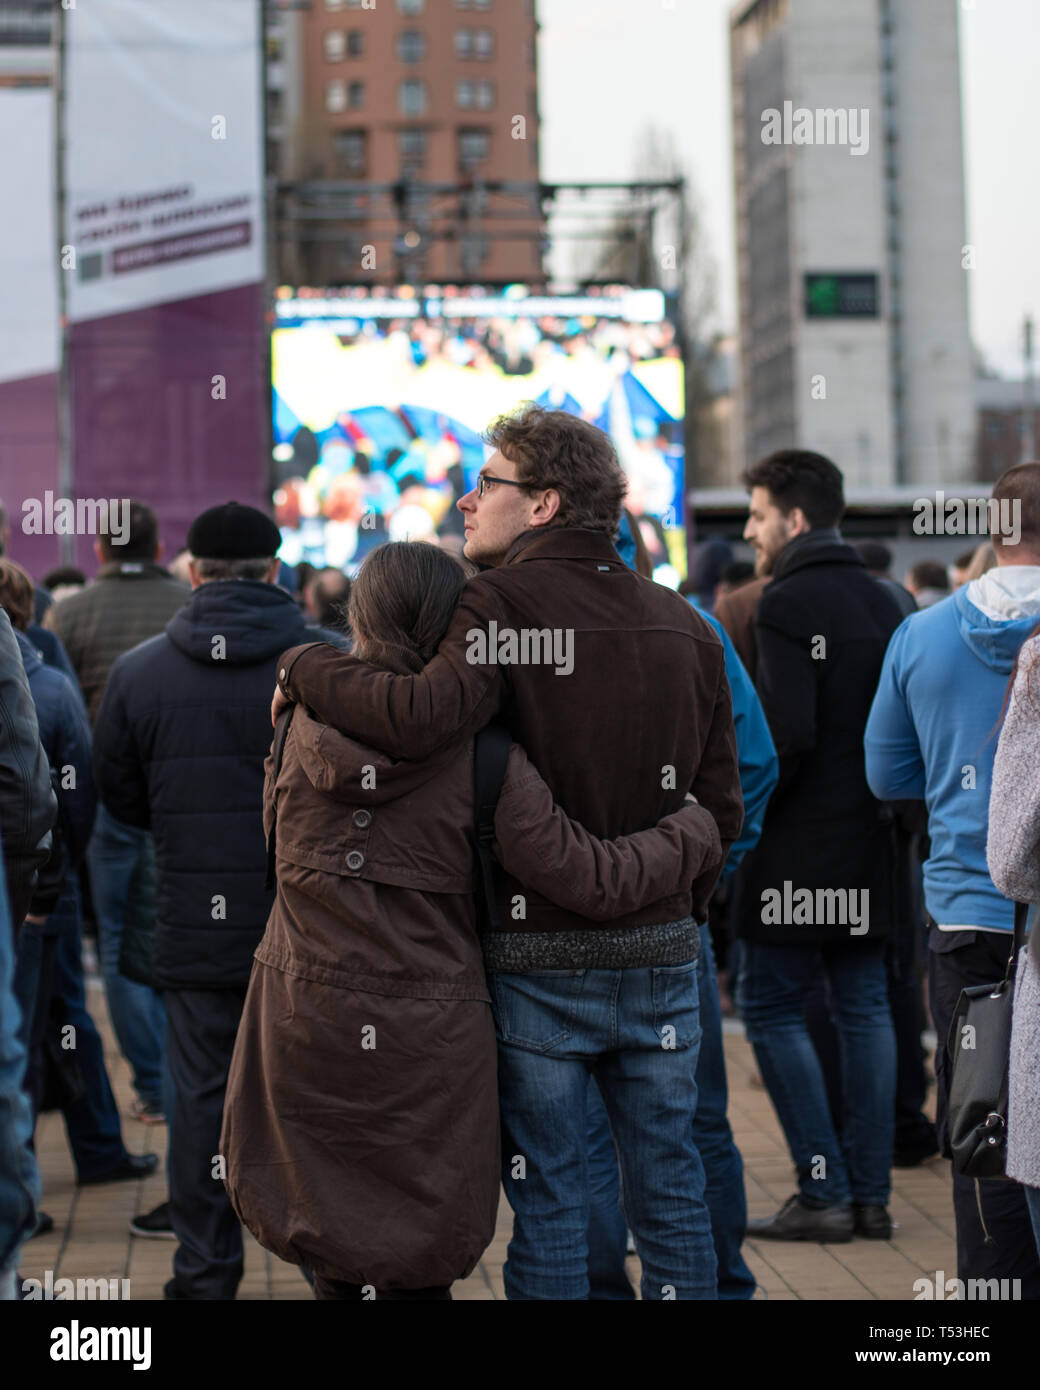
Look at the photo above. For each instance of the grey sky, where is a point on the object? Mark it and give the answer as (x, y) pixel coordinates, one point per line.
(610, 67)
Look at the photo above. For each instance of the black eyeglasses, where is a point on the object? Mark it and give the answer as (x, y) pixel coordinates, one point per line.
(484, 478)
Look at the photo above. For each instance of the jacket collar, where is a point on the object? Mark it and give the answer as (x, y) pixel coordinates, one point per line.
(823, 546)
(133, 569)
(561, 543)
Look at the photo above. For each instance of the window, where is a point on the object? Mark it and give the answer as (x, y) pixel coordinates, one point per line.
(473, 4)
(464, 94)
(411, 97)
(463, 43)
(485, 95)
(484, 43)
(351, 148)
(411, 147)
(333, 4)
(336, 95)
(355, 95)
(355, 43)
(335, 45)
(474, 146)
(411, 46)
(411, 7)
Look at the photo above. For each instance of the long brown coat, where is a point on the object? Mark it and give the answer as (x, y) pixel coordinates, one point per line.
(361, 1119)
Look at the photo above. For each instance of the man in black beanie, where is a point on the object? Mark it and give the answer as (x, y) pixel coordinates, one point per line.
(179, 747)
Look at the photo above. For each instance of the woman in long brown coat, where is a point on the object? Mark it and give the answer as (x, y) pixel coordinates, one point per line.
(361, 1121)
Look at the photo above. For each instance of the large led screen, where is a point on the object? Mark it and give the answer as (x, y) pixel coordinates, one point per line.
(380, 399)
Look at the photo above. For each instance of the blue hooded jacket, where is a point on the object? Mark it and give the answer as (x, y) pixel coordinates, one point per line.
(932, 734)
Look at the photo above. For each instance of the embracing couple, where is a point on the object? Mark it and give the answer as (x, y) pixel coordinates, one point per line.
(366, 1131)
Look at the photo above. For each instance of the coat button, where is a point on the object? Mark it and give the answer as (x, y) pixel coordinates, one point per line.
(362, 819)
(281, 674)
(355, 860)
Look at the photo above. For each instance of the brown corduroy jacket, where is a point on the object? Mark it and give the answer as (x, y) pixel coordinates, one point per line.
(361, 1117)
(636, 714)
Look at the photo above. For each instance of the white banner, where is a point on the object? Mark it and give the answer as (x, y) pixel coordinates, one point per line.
(29, 341)
(164, 157)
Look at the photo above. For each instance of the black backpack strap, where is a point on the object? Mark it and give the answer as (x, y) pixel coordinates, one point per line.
(490, 755)
(281, 732)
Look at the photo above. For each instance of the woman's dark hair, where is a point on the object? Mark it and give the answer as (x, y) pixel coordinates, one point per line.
(401, 602)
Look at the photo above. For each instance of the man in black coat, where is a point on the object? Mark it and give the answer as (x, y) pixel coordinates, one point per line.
(816, 894)
(179, 748)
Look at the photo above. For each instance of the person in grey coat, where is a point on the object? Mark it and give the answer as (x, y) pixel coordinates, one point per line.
(1013, 857)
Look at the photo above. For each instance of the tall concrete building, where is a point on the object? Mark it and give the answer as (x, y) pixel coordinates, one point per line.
(852, 262)
(412, 92)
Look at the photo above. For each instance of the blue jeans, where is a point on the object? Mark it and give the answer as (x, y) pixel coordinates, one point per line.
(138, 1019)
(771, 993)
(1033, 1203)
(92, 1123)
(637, 1032)
(723, 1166)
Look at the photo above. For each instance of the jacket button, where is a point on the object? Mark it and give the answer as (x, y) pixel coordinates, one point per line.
(281, 674)
(355, 860)
(362, 819)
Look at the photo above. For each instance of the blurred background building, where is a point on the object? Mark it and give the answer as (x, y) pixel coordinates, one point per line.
(854, 336)
(420, 117)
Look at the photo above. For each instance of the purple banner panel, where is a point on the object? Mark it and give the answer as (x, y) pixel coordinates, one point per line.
(169, 406)
(28, 463)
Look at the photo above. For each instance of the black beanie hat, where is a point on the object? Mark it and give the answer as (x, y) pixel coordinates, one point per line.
(233, 532)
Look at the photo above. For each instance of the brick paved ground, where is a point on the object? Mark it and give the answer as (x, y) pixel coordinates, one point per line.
(91, 1239)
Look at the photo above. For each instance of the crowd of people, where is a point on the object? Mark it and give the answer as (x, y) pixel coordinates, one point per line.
(439, 919)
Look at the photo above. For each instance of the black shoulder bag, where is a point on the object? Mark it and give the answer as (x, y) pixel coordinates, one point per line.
(490, 755)
(979, 1047)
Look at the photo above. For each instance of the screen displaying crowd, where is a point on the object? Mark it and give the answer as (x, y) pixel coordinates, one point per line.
(380, 399)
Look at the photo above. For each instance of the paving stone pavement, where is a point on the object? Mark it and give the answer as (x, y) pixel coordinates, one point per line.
(91, 1237)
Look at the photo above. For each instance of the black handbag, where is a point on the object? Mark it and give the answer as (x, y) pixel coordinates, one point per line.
(978, 1047)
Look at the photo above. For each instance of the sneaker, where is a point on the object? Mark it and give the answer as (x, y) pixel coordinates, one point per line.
(873, 1223)
(154, 1225)
(833, 1224)
(149, 1112)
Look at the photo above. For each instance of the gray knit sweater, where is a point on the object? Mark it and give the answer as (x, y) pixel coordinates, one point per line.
(1013, 853)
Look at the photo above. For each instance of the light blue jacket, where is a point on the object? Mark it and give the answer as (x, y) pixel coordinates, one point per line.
(932, 734)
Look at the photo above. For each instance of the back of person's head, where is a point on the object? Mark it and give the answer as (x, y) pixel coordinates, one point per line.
(401, 603)
(927, 574)
(1017, 493)
(233, 541)
(552, 449)
(16, 594)
(135, 540)
(799, 478)
(64, 577)
(876, 556)
(329, 592)
(735, 575)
